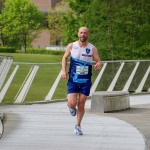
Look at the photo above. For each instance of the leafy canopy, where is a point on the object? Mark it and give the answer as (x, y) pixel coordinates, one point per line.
(19, 19)
(119, 29)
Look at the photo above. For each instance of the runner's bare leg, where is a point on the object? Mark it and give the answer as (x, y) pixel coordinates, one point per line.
(72, 100)
(81, 109)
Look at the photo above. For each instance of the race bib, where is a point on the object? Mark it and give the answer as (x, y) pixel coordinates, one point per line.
(82, 70)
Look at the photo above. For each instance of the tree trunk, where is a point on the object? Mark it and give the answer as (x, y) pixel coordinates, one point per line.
(24, 43)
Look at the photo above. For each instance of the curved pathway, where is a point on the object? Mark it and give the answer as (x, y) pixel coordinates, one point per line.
(50, 126)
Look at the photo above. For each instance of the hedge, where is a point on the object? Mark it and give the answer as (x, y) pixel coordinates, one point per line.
(7, 50)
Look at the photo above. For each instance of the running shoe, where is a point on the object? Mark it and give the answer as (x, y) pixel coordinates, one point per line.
(77, 130)
(73, 111)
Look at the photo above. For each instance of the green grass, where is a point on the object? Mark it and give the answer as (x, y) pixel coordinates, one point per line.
(34, 58)
(43, 82)
(16, 83)
(44, 79)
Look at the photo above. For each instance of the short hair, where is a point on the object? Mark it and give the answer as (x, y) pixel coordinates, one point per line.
(84, 28)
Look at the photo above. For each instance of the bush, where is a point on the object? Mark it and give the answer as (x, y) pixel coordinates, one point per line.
(7, 50)
(44, 51)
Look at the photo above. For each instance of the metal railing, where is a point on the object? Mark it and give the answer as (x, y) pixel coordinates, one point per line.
(121, 75)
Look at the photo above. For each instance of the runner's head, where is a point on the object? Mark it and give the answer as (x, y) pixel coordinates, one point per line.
(83, 34)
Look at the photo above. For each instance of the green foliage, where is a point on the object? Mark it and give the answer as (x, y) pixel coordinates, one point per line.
(19, 19)
(44, 51)
(55, 24)
(7, 49)
(73, 19)
(56, 28)
(119, 29)
(1, 5)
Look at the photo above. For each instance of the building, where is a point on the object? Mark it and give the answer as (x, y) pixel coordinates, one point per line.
(45, 5)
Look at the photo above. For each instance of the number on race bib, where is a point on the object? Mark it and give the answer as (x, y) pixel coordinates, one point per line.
(82, 70)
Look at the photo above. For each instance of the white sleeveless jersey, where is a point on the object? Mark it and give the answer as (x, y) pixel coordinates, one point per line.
(80, 70)
(83, 54)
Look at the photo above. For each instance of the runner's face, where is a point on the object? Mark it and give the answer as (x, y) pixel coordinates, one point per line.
(83, 35)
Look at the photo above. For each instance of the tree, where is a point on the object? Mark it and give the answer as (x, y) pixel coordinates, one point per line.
(1, 8)
(120, 29)
(19, 19)
(1, 5)
(55, 24)
(73, 18)
(55, 27)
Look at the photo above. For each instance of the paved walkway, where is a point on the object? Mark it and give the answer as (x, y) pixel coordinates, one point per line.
(50, 126)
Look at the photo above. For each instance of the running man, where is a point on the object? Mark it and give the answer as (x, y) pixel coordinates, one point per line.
(79, 83)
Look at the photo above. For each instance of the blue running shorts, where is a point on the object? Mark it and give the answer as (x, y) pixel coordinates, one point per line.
(83, 88)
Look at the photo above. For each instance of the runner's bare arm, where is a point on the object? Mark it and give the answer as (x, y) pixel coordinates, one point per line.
(64, 61)
(98, 63)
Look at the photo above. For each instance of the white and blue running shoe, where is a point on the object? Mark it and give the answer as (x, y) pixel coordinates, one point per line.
(77, 130)
(73, 111)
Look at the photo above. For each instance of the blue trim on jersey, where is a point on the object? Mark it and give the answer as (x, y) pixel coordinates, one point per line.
(79, 78)
(81, 61)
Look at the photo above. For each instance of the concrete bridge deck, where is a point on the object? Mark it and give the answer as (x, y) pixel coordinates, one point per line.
(50, 127)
